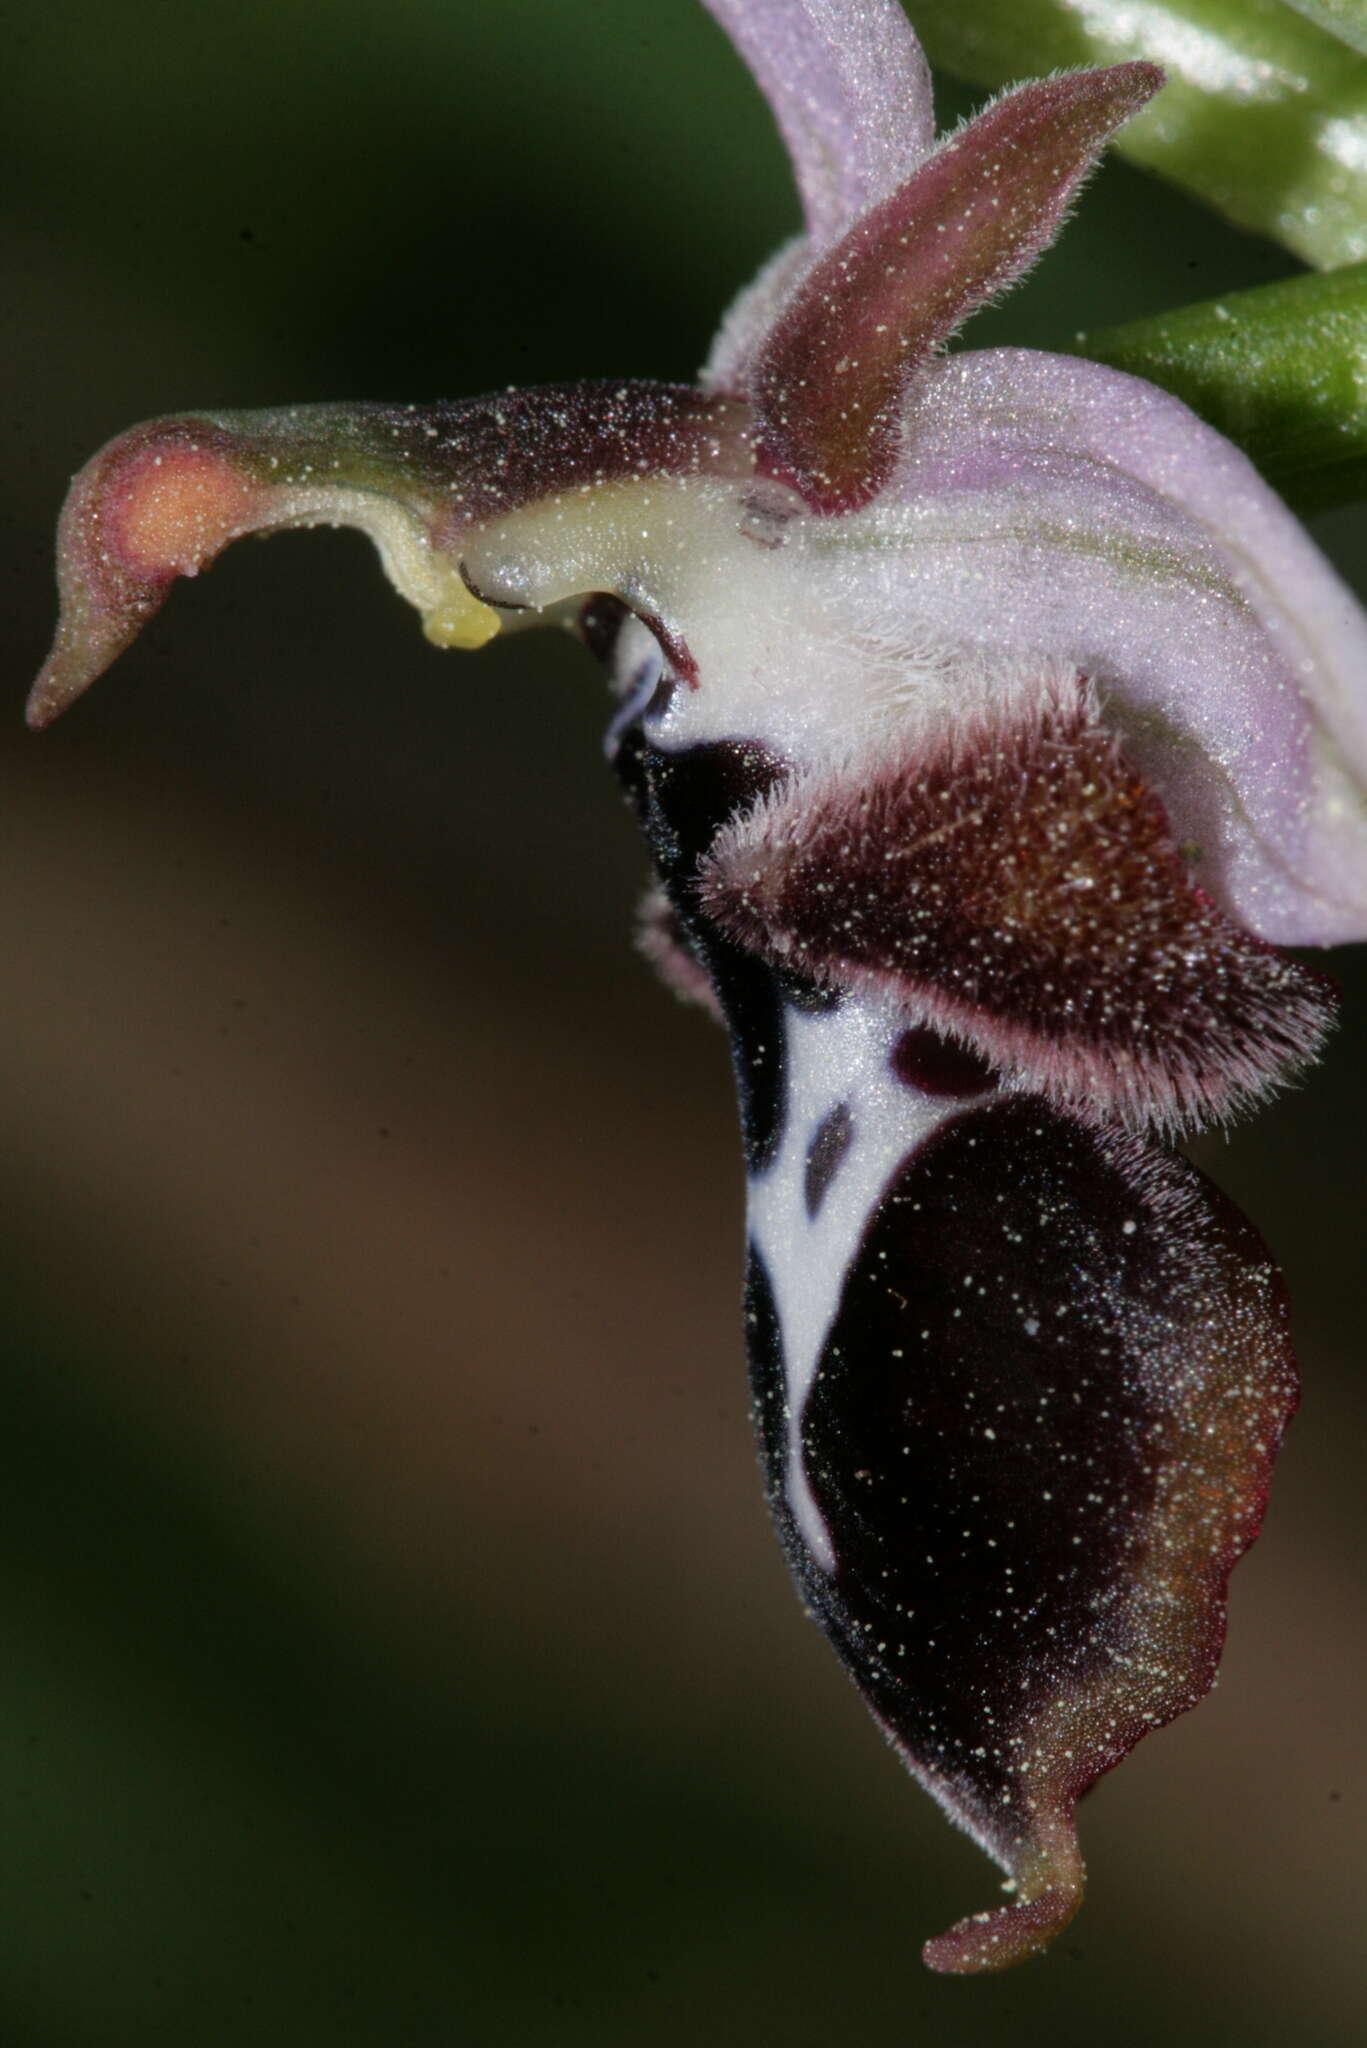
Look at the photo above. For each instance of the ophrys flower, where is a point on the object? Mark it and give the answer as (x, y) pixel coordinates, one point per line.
(990, 724)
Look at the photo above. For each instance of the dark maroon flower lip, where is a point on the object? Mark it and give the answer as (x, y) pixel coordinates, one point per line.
(1038, 1435)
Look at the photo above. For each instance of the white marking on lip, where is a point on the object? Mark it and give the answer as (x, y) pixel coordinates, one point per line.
(831, 1056)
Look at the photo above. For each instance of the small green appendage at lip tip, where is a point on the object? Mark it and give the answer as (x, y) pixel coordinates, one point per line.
(1047, 1885)
(987, 1942)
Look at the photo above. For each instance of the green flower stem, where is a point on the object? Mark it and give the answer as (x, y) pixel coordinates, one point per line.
(1265, 111)
(1281, 369)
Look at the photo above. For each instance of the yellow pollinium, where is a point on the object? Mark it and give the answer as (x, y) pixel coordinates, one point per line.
(460, 619)
(428, 576)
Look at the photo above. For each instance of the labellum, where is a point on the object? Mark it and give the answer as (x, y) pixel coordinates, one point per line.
(990, 725)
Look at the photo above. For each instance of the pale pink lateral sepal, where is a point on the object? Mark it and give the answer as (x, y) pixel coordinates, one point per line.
(849, 87)
(164, 499)
(829, 382)
(1093, 519)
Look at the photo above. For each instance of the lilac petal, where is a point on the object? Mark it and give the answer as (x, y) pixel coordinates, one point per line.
(164, 499)
(750, 316)
(1046, 507)
(829, 383)
(850, 91)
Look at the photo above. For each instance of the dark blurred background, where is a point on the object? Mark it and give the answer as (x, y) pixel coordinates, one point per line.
(394, 1647)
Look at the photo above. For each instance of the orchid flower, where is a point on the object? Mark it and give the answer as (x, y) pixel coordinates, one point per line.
(991, 725)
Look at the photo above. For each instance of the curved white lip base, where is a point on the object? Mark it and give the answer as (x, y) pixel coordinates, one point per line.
(831, 1057)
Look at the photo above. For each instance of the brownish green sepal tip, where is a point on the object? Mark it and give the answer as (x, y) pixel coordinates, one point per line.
(157, 503)
(168, 496)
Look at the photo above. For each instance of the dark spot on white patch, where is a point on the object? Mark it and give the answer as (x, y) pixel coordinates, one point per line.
(830, 1143)
(926, 1060)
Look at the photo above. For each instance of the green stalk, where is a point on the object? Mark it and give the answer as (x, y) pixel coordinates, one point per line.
(1280, 369)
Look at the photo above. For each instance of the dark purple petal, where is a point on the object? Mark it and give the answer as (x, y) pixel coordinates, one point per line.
(165, 498)
(830, 380)
(1039, 1436)
(1018, 884)
(850, 91)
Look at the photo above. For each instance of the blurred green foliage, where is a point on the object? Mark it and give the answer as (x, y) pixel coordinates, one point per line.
(1280, 369)
(1264, 113)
